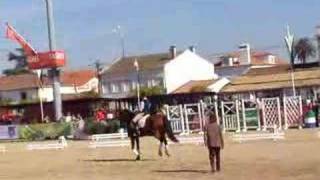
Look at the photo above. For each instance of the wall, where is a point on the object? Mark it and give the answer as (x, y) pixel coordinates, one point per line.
(186, 67)
(119, 86)
(15, 95)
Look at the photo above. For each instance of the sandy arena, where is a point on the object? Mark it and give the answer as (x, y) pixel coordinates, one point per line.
(297, 157)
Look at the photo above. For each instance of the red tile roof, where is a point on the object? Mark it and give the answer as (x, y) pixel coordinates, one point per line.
(78, 78)
(29, 81)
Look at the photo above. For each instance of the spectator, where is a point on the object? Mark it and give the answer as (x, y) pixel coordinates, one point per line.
(214, 142)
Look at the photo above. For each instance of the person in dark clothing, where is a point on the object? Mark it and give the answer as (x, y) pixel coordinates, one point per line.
(214, 142)
(141, 117)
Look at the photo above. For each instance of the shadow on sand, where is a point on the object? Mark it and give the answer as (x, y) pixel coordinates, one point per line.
(116, 160)
(182, 171)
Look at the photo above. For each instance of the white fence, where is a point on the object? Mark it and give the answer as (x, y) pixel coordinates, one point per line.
(259, 114)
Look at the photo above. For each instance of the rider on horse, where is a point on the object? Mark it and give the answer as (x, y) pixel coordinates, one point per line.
(144, 113)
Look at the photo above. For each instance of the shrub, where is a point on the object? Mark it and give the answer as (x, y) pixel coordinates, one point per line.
(94, 127)
(44, 131)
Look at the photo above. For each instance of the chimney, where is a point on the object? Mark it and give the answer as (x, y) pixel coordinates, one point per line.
(192, 49)
(245, 54)
(172, 52)
(230, 61)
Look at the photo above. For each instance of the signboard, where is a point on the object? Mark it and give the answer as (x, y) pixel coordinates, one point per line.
(9, 132)
(51, 59)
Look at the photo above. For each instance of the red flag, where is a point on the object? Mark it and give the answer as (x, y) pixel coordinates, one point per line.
(12, 34)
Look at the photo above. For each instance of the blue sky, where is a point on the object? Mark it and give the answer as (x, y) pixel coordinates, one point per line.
(84, 27)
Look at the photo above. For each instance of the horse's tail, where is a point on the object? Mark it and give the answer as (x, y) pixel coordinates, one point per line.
(169, 131)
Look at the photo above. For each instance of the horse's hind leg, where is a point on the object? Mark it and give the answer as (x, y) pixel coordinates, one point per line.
(132, 139)
(160, 148)
(166, 147)
(138, 149)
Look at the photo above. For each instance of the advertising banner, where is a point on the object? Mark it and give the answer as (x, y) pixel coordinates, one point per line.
(9, 132)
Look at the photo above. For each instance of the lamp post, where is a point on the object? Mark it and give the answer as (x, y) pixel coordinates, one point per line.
(119, 31)
(289, 40)
(54, 71)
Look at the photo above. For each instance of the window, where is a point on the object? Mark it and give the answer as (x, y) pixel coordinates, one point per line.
(23, 95)
(125, 87)
(133, 85)
(114, 88)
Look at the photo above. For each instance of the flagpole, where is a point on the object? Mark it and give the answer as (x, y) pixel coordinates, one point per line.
(40, 94)
(136, 64)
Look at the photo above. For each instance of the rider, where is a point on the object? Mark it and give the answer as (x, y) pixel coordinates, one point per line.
(144, 113)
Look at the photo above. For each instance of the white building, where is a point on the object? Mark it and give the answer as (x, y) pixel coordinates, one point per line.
(168, 70)
(28, 87)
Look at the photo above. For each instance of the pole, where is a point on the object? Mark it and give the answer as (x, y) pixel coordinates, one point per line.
(122, 45)
(98, 70)
(138, 88)
(54, 71)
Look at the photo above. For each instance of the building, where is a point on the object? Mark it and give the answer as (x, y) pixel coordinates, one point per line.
(28, 87)
(275, 81)
(167, 70)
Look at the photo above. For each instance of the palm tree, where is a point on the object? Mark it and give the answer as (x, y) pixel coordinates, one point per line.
(304, 49)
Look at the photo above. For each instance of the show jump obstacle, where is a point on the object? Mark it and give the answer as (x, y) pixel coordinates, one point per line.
(36, 60)
(61, 144)
(109, 140)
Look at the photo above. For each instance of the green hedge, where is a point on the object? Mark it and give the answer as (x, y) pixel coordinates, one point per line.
(94, 127)
(44, 131)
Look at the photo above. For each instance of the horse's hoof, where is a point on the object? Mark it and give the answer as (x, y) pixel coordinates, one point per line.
(168, 155)
(160, 153)
(138, 158)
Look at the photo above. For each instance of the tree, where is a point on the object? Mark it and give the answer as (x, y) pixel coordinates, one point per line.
(149, 91)
(304, 49)
(20, 61)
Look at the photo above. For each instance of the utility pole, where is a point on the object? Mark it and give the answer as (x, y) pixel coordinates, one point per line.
(55, 72)
(119, 31)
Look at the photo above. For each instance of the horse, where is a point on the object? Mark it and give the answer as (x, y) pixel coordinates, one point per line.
(156, 125)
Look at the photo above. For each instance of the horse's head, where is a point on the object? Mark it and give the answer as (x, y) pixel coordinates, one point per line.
(125, 115)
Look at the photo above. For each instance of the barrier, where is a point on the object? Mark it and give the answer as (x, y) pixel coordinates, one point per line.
(250, 115)
(230, 116)
(3, 149)
(176, 118)
(276, 135)
(61, 144)
(271, 113)
(292, 111)
(193, 117)
(191, 140)
(109, 140)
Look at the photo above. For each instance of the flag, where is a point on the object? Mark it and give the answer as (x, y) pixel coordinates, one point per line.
(12, 34)
(136, 64)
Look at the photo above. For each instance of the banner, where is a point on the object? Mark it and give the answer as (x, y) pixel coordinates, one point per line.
(12, 34)
(9, 132)
(41, 60)
(51, 59)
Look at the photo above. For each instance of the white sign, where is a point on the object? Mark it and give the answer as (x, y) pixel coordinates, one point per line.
(9, 132)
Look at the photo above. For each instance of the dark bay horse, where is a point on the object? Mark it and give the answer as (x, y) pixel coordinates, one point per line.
(156, 125)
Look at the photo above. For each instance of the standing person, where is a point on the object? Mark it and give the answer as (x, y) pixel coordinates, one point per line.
(214, 142)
